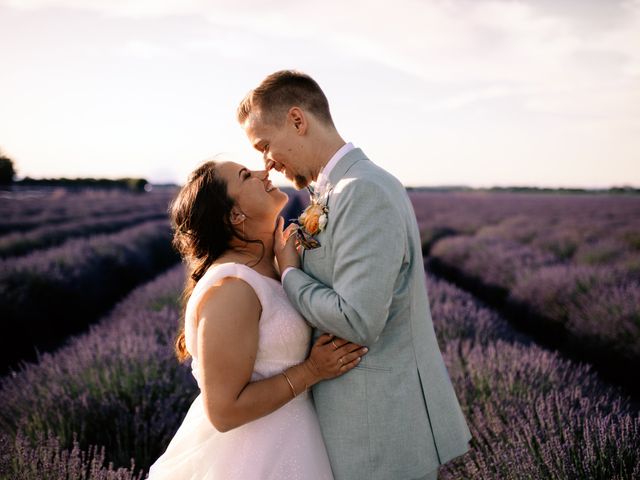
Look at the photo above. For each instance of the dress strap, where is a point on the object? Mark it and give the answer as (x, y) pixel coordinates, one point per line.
(210, 279)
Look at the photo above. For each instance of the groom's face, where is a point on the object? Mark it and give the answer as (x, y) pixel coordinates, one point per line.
(281, 145)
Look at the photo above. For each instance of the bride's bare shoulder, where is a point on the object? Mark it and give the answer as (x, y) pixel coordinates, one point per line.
(229, 297)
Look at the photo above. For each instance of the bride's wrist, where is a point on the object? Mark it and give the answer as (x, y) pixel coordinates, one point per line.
(311, 372)
(300, 378)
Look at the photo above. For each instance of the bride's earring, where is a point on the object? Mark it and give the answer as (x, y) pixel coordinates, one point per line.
(237, 218)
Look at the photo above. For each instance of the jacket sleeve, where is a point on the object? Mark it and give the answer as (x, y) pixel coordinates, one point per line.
(368, 249)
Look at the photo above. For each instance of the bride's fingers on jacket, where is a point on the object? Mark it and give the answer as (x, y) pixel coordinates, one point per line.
(339, 343)
(324, 339)
(350, 361)
(346, 356)
(350, 347)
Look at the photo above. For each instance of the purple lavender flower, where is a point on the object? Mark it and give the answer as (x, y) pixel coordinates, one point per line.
(569, 265)
(118, 386)
(50, 293)
(116, 392)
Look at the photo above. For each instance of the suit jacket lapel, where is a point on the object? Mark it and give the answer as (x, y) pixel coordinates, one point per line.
(338, 172)
(344, 164)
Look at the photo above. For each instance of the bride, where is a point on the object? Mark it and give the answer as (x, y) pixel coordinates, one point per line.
(254, 417)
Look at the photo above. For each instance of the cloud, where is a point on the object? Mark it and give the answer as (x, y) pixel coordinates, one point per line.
(579, 61)
(145, 50)
(134, 8)
(483, 49)
(437, 40)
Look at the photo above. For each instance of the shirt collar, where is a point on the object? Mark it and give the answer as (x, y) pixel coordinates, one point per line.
(323, 176)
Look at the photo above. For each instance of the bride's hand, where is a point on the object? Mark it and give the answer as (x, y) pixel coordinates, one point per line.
(284, 246)
(332, 356)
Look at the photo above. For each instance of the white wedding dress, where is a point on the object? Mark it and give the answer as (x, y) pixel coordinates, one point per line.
(286, 444)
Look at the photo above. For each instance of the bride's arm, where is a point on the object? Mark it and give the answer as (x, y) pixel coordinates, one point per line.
(227, 346)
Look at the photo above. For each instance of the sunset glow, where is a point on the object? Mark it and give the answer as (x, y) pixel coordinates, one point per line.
(458, 92)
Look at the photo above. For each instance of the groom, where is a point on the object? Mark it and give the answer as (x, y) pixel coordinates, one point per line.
(394, 416)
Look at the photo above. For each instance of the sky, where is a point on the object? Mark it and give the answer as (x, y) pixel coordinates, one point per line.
(441, 92)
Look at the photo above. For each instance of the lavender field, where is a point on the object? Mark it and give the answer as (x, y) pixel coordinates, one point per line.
(66, 257)
(564, 267)
(22, 210)
(106, 404)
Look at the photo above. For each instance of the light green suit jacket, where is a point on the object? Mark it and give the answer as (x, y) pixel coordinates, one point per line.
(395, 416)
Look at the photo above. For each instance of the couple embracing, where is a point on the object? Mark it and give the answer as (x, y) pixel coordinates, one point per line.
(312, 346)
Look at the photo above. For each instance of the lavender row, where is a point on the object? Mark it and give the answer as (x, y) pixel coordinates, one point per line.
(567, 266)
(22, 213)
(51, 293)
(591, 310)
(557, 224)
(34, 202)
(598, 307)
(575, 241)
(532, 413)
(118, 386)
(23, 460)
(20, 243)
(532, 230)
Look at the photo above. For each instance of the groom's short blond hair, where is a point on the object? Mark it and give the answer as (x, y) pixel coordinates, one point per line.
(279, 92)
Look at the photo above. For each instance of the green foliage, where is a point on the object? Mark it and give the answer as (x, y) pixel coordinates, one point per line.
(132, 184)
(7, 171)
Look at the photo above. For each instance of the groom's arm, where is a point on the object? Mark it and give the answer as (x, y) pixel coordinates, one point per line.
(368, 250)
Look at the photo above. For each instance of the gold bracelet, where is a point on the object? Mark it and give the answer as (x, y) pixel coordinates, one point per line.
(290, 385)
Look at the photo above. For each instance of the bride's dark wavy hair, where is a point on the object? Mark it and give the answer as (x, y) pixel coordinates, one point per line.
(202, 231)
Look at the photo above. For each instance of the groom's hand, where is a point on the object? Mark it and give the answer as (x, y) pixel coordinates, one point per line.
(284, 246)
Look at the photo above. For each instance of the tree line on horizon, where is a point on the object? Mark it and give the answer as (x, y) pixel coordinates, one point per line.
(8, 173)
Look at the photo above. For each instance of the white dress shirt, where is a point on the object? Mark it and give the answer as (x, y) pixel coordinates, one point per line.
(323, 176)
(323, 179)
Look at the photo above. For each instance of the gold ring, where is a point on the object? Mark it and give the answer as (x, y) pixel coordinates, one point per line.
(334, 344)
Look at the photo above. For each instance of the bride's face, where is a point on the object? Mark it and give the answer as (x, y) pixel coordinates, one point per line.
(253, 193)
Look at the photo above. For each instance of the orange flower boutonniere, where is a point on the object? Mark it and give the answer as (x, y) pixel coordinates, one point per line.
(312, 221)
(314, 218)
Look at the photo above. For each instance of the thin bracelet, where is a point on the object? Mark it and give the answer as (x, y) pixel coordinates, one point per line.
(290, 385)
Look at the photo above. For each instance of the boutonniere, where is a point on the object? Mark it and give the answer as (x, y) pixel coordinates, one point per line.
(312, 221)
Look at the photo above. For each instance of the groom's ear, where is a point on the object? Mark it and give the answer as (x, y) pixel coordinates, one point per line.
(298, 119)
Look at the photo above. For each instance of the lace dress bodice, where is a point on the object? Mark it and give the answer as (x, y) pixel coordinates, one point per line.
(284, 334)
